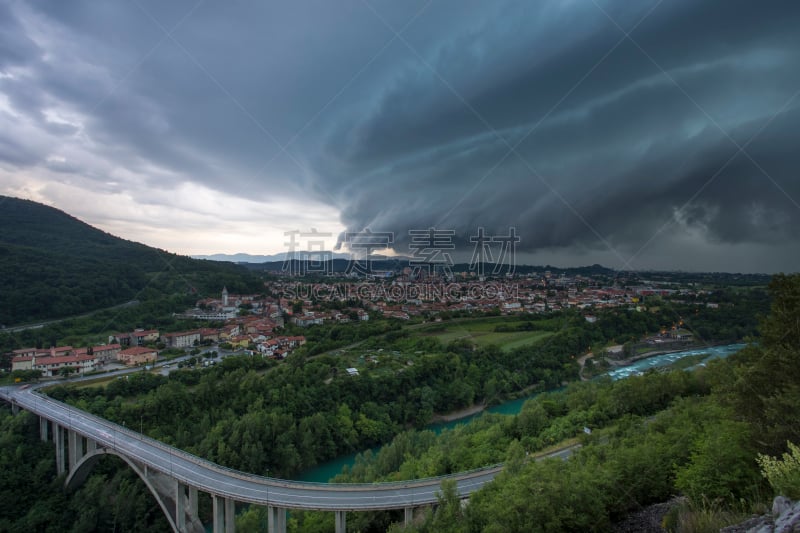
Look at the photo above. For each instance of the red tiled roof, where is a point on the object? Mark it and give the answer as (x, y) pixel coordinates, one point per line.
(64, 359)
(182, 333)
(137, 350)
(106, 347)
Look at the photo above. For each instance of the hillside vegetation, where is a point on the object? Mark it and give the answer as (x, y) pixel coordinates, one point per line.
(52, 265)
(700, 435)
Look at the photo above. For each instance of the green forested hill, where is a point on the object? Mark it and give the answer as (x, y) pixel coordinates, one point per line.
(53, 265)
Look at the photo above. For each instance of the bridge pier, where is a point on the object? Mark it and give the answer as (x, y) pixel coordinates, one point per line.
(276, 519)
(193, 502)
(224, 520)
(230, 515)
(186, 507)
(43, 422)
(341, 521)
(217, 521)
(75, 448)
(180, 510)
(409, 516)
(58, 438)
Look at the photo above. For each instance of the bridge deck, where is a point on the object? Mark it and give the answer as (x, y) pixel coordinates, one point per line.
(241, 486)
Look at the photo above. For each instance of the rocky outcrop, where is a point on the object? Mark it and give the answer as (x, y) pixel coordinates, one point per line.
(785, 518)
(648, 520)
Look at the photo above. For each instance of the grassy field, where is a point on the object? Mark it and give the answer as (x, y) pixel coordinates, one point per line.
(482, 333)
(103, 381)
(510, 341)
(99, 382)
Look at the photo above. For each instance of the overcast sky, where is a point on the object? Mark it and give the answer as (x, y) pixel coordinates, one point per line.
(647, 134)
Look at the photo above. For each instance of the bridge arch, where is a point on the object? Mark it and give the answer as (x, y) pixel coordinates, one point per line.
(85, 465)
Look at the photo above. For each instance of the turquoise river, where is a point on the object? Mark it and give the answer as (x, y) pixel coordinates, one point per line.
(325, 471)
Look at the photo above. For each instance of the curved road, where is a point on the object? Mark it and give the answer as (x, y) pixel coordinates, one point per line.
(14, 329)
(240, 486)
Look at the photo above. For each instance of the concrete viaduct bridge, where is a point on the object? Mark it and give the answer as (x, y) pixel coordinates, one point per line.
(174, 477)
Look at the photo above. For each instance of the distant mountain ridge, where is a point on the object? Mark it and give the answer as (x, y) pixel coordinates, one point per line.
(340, 262)
(53, 265)
(251, 258)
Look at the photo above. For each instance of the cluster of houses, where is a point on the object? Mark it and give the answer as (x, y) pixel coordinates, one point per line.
(252, 321)
(280, 347)
(538, 292)
(533, 293)
(230, 306)
(130, 348)
(313, 317)
(261, 335)
(53, 361)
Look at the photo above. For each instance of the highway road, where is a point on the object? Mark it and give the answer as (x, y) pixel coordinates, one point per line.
(40, 325)
(241, 486)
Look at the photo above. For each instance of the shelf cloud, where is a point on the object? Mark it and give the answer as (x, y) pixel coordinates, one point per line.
(642, 135)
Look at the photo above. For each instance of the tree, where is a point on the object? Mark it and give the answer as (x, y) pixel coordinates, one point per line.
(532, 419)
(26, 375)
(515, 457)
(766, 391)
(783, 474)
(629, 349)
(721, 464)
(553, 495)
(449, 515)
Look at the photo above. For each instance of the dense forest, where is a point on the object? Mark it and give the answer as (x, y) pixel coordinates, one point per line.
(257, 415)
(702, 434)
(71, 268)
(308, 410)
(112, 499)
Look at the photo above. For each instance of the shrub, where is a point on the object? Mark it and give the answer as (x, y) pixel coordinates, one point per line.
(783, 474)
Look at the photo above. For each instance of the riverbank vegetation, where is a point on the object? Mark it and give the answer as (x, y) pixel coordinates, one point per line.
(310, 410)
(704, 444)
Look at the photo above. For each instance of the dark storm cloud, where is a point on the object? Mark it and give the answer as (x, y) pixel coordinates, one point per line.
(323, 101)
(14, 152)
(15, 46)
(618, 158)
(222, 95)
